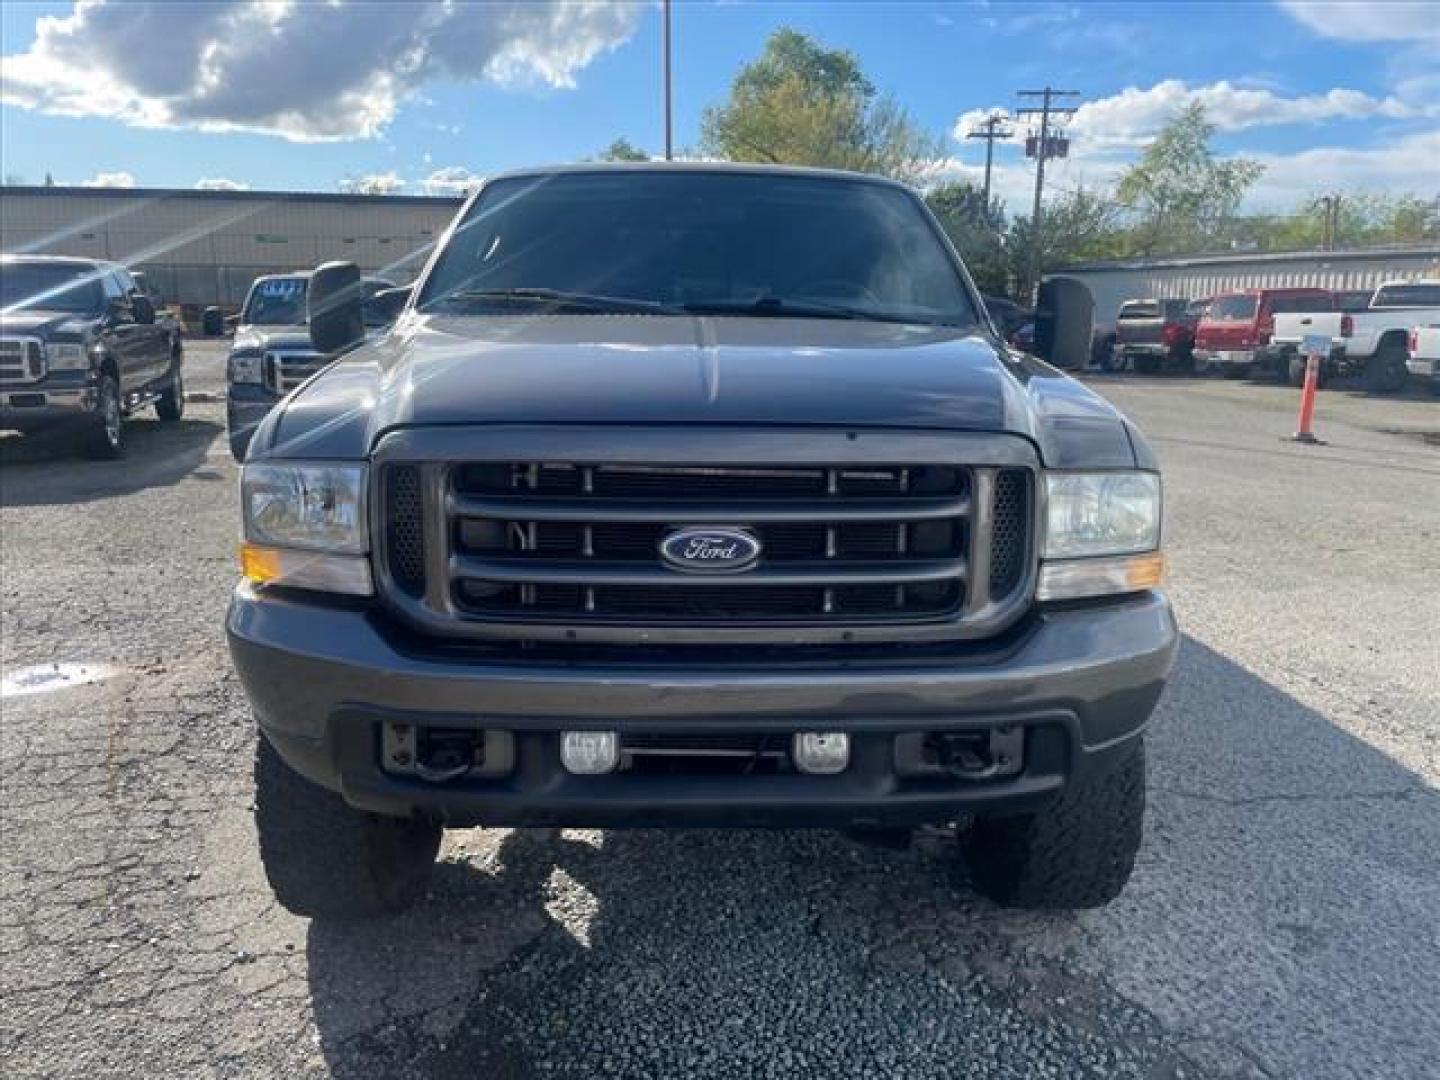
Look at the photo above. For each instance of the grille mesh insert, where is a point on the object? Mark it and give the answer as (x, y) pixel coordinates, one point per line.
(1008, 540)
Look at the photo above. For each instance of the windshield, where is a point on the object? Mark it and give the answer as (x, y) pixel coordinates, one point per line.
(50, 287)
(1238, 308)
(276, 302)
(1403, 296)
(1140, 309)
(731, 244)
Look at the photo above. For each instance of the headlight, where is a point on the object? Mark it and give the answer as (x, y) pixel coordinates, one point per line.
(66, 356)
(318, 507)
(1115, 513)
(305, 526)
(1102, 535)
(246, 368)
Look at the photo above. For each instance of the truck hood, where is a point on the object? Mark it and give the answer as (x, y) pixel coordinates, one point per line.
(271, 337)
(42, 324)
(642, 369)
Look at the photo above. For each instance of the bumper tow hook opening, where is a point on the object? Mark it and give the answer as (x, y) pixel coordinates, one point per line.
(964, 754)
(445, 756)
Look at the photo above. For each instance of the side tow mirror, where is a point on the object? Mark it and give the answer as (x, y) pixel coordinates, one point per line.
(332, 304)
(1064, 322)
(389, 303)
(142, 308)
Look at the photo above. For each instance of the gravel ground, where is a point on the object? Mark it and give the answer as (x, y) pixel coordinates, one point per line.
(1281, 921)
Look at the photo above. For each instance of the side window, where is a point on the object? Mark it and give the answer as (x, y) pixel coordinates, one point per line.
(111, 284)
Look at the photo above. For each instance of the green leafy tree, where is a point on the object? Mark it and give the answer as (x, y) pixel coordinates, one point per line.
(1183, 196)
(1364, 218)
(802, 104)
(1076, 226)
(977, 230)
(623, 150)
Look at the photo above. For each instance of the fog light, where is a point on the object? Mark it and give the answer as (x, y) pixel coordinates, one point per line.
(822, 753)
(589, 753)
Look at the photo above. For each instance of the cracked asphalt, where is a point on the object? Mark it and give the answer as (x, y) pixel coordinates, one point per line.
(1282, 921)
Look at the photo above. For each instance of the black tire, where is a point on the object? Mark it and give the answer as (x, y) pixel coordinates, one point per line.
(327, 860)
(1147, 365)
(1385, 372)
(170, 406)
(105, 438)
(1076, 852)
(1235, 371)
(1295, 372)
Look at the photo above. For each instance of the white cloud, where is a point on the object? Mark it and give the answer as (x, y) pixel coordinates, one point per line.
(119, 178)
(1405, 165)
(386, 183)
(220, 183)
(304, 71)
(451, 180)
(1131, 118)
(1358, 20)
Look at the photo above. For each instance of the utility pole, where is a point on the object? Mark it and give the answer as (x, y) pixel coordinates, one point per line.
(1330, 223)
(665, 20)
(991, 128)
(1044, 147)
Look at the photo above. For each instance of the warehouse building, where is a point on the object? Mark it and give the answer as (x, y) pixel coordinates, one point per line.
(205, 247)
(1197, 277)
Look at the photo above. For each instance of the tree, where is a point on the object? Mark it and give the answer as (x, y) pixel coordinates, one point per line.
(622, 150)
(1364, 218)
(1185, 197)
(803, 104)
(976, 229)
(1079, 225)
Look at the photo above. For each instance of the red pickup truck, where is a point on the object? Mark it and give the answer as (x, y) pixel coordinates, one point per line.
(1238, 324)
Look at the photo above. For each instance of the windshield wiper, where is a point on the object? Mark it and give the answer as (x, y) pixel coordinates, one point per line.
(554, 298)
(777, 307)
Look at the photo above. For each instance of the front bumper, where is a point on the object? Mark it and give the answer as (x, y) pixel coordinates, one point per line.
(36, 406)
(322, 679)
(1225, 358)
(245, 406)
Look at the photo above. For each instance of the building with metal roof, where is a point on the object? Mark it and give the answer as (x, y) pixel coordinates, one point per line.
(205, 247)
(1196, 277)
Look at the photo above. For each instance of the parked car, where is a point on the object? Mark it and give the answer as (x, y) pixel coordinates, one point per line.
(1236, 326)
(80, 348)
(1155, 334)
(1371, 343)
(272, 352)
(712, 503)
(1423, 361)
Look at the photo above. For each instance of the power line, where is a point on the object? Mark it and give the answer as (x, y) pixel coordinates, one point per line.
(991, 128)
(1044, 147)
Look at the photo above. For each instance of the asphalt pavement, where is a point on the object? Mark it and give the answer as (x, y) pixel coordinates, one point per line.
(1282, 921)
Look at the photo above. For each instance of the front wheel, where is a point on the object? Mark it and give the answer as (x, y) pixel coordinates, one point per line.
(1385, 372)
(1076, 852)
(106, 438)
(1147, 365)
(326, 860)
(170, 406)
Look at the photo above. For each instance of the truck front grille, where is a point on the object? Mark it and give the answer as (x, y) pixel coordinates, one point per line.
(566, 544)
(22, 360)
(286, 369)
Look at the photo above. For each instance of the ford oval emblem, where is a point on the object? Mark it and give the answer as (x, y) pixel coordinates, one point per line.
(712, 550)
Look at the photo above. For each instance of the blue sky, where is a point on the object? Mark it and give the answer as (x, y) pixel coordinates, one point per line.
(1327, 95)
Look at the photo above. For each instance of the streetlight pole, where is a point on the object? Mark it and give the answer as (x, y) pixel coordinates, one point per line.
(665, 20)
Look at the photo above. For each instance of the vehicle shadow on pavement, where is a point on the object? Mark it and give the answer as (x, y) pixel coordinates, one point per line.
(1273, 927)
(48, 469)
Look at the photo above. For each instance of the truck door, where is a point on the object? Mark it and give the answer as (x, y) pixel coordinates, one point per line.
(152, 340)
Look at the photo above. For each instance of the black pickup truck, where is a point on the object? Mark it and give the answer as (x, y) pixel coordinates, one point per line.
(80, 349)
(696, 496)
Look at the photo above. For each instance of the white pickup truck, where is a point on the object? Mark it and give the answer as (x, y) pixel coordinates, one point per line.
(1424, 359)
(1371, 342)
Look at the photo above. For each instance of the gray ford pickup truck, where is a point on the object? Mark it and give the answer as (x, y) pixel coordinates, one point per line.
(695, 496)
